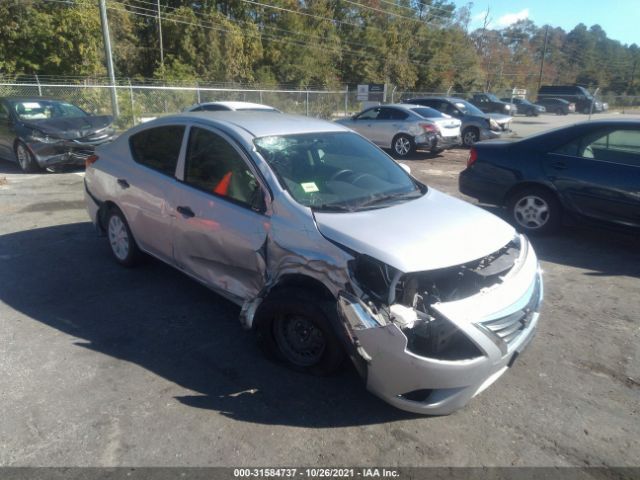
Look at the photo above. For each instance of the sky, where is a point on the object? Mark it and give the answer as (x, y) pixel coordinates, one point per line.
(619, 18)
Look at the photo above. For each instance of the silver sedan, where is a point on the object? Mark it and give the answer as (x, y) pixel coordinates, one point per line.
(329, 246)
(404, 128)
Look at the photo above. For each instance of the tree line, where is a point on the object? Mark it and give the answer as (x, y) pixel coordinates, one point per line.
(415, 45)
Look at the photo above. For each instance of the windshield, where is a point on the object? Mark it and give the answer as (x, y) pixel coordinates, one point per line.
(492, 97)
(467, 108)
(336, 171)
(427, 112)
(46, 109)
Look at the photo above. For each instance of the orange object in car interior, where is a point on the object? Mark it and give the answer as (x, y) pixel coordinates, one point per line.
(223, 185)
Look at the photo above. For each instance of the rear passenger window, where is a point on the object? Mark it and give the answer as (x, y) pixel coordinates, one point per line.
(158, 148)
(618, 146)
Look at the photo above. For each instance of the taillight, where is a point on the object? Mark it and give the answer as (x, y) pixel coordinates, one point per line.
(90, 160)
(473, 156)
(427, 127)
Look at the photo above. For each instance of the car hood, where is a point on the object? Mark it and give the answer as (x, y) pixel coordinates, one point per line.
(70, 128)
(431, 232)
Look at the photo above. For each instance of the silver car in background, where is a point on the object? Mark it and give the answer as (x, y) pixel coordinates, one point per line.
(476, 125)
(329, 246)
(403, 128)
(230, 107)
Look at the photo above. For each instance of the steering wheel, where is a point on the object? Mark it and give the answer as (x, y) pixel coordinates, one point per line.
(360, 177)
(340, 173)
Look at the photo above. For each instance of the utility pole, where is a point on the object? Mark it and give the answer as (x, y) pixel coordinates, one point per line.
(633, 73)
(107, 51)
(544, 54)
(160, 35)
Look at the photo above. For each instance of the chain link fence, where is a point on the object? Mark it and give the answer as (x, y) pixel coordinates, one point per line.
(144, 100)
(141, 102)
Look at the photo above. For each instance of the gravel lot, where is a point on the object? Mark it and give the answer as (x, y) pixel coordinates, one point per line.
(105, 366)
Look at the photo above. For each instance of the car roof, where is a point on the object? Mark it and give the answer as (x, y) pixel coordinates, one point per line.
(448, 99)
(403, 106)
(614, 122)
(256, 124)
(238, 105)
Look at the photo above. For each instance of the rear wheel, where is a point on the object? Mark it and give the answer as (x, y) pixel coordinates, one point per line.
(123, 245)
(26, 160)
(295, 327)
(470, 136)
(535, 210)
(403, 145)
(559, 111)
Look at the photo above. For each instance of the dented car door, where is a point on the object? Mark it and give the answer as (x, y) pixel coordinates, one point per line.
(220, 233)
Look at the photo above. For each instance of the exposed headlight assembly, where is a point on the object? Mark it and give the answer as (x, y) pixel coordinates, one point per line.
(493, 125)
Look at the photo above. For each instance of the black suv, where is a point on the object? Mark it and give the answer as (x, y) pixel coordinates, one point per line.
(580, 96)
(489, 103)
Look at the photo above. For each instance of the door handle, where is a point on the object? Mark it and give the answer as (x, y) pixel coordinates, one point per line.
(123, 183)
(559, 165)
(186, 212)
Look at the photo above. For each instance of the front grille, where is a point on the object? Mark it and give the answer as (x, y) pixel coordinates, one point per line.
(510, 327)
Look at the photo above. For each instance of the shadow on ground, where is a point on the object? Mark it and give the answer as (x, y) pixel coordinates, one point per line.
(156, 317)
(7, 166)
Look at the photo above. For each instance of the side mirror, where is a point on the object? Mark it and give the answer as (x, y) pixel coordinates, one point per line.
(258, 203)
(406, 168)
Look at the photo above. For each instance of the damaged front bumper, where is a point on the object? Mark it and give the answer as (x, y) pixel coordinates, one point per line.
(65, 152)
(499, 321)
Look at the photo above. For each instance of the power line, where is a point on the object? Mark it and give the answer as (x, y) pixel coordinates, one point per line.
(210, 25)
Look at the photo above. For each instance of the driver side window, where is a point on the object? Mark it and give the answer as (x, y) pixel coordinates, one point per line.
(4, 113)
(215, 166)
(371, 114)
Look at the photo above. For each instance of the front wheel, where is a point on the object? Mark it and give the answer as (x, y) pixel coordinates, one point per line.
(403, 145)
(535, 211)
(26, 160)
(295, 327)
(470, 136)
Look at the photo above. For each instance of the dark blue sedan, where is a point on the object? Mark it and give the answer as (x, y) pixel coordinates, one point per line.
(589, 171)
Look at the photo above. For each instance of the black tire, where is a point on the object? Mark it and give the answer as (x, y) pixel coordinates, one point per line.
(560, 111)
(121, 242)
(535, 211)
(26, 160)
(403, 145)
(470, 135)
(295, 327)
